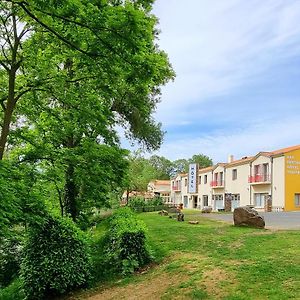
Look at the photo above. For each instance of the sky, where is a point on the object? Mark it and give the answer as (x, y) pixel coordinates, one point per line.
(237, 85)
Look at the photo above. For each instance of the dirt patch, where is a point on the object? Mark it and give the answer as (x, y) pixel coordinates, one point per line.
(153, 288)
(234, 262)
(237, 244)
(213, 280)
(262, 232)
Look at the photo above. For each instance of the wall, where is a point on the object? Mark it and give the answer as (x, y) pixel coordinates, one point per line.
(261, 160)
(278, 187)
(204, 189)
(240, 185)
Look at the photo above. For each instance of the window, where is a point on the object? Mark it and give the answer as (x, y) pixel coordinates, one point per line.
(218, 197)
(221, 178)
(259, 199)
(235, 197)
(199, 179)
(216, 177)
(185, 182)
(265, 172)
(297, 199)
(205, 200)
(205, 179)
(234, 174)
(256, 169)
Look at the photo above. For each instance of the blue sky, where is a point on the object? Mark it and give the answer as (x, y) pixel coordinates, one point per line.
(237, 89)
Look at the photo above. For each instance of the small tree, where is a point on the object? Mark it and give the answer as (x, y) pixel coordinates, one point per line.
(55, 259)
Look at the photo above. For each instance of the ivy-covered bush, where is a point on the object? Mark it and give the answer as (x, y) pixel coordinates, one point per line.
(55, 259)
(127, 249)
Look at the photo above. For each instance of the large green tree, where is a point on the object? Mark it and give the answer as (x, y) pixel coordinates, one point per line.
(140, 173)
(162, 165)
(111, 42)
(182, 165)
(81, 77)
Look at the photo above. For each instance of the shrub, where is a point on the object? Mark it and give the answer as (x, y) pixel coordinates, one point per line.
(126, 242)
(137, 202)
(10, 259)
(55, 259)
(157, 201)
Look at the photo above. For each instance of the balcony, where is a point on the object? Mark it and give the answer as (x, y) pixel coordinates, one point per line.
(260, 179)
(176, 188)
(217, 183)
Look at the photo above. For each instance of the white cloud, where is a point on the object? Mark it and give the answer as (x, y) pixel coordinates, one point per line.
(218, 46)
(246, 142)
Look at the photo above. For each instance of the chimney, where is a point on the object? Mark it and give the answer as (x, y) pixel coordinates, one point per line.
(230, 158)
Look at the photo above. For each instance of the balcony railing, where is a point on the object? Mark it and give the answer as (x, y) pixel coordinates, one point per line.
(176, 188)
(259, 178)
(217, 183)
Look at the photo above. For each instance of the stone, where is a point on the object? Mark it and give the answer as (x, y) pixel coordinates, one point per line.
(163, 213)
(193, 222)
(246, 216)
(206, 209)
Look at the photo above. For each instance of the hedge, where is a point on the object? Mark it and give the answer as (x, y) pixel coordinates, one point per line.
(126, 249)
(55, 259)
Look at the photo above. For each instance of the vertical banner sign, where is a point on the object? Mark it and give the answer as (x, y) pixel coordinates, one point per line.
(192, 178)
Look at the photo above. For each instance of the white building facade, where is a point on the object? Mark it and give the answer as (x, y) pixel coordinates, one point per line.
(268, 181)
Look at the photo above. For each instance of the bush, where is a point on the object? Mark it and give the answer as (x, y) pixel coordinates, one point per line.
(135, 202)
(126, 242)
(55, 259)
(10, 259)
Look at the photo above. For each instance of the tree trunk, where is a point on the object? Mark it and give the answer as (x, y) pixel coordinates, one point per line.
(11, 103)
(71, 193)
(14, 64)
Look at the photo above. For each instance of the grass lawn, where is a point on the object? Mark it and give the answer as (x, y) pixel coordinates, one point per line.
(212, 260)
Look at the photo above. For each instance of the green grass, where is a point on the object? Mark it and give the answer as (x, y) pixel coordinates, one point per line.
(215, 260)
(261, 264)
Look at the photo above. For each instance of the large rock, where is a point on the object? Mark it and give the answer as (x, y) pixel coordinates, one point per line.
(206, 209)
(163, 213)
(246, 216)
(193, 222)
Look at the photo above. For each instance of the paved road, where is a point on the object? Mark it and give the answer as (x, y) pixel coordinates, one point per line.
(273, 220)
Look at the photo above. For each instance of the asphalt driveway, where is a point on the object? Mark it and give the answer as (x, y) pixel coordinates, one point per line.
(273, 220)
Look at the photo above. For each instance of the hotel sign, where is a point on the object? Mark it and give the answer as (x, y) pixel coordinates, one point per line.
(192, 186)
(292, 165)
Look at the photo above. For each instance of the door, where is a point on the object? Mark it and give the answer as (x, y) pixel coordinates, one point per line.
(219, 203)
(185, 201)
(235, 202)
(195, 201)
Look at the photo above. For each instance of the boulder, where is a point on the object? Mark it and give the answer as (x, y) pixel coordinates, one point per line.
(193, 222)
(163, 213)
(246, 216)
(206, 209)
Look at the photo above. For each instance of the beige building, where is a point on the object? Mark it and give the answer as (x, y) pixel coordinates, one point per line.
(268, 181)
(160, 188)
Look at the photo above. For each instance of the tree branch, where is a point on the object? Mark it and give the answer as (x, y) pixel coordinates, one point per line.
(62, 38)
(4, 66)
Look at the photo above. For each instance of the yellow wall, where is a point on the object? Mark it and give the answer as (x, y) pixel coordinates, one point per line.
(292, 179)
